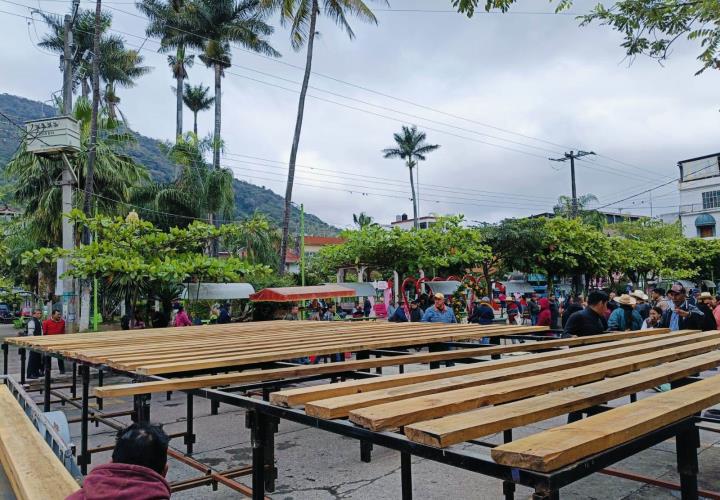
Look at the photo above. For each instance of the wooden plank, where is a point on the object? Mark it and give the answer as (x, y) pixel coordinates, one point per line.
(556, 448)
(408, 411)
(326, 368)
(657, 352)
(35, 473)
(460, 427)
(295, 397)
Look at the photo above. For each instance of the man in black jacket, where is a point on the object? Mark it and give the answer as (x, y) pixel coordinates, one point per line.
(591, 320)
(34, 328)
(574, 305)
(681, 315)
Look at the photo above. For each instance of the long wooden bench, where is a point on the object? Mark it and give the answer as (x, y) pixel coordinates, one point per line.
(35, 473)
(561, 446)
(553, 361)
(198, 382)
(459, 427)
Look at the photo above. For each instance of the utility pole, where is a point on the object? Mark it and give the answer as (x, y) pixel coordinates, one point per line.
(68, 176)
(302, 244)
(572, 156)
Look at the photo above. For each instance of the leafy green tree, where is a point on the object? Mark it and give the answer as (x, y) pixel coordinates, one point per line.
(256, 239)
(122, 68)
(564, 208)
(302, 16)
(115, 174)
(196, 98)
(649, 27)
(211, 26)
(411, 147)
(362, 220)
(197, 192)
(165, 20)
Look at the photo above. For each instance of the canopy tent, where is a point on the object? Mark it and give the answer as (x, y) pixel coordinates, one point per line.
(217, 291)
(521, 287)
(295, 293)
(361, 289)
(444, 287)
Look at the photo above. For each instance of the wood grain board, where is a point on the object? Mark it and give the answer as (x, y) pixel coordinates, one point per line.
(199, 382)
(561, 446)
(35, 473)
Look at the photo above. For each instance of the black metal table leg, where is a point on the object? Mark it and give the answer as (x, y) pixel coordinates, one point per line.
(270, 470)
(633, 397)
(546, 495)
(508, 486)
(22, 366)
(189, 431)
(436, 348)
(73, 389)
(214, 407)
(366, 451)
(406, 475)
(686, 445)
(84, 458)
(101, 375)
(6, 354)
(168, 396)
(46, 385)
(257, 423)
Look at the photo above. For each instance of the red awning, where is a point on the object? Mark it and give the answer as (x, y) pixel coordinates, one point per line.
(295, 293)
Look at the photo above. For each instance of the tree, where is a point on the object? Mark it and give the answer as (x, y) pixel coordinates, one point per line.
(411, 147)
(650, 27)
(197, 192)
(256, 239)
(196, 98)
(115, 174)
(302, 16)
(211, 26)
(564, 208)
(165, 19)
(362, 220)
(120, 68)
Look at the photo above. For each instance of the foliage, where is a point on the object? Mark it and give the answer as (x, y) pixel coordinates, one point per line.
(649, 27)
(256, 239)
(362, 220)
(564, 208)
(196, 98)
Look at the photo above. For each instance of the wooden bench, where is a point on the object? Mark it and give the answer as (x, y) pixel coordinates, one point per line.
(555, 448)
(35, 473)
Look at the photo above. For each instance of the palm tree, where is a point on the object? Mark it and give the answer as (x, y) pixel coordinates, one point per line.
(165, 21)
(197, 99)
(213, 26)
(411, 147)
(115, 174)
(122, 67)
(564, 208)
(302, 16)
(363, 220)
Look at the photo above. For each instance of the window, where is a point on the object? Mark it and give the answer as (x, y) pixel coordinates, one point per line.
(711, 199)
(423, 225)
(706, 231)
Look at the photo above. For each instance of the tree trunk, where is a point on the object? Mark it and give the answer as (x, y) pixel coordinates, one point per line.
(412, 189)
(216, 135)
(195, 122)
(296, 139)
(179, 103)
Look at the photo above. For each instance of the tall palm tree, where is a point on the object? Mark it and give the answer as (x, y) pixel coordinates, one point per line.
(363, 220)
(122, 68)
(302, 17)
(196, 98)
(213, 26)
(411, 147)
(166, 19)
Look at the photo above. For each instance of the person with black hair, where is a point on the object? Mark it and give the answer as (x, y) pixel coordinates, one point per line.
(137, 470)
(591, 320)
(574, 305)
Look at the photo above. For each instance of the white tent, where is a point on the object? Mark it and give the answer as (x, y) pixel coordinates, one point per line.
(217, 291)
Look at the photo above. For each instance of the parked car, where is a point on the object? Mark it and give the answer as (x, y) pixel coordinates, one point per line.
(6, 315)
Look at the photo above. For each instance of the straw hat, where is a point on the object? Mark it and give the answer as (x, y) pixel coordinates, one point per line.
(626, 300)
(639, 294)
(705, 296)
(439, 296)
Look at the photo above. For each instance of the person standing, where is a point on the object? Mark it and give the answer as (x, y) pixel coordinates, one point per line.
(367, 307)
(439, 312)
(224, 315)
(574, 305)
(653, 319)
(159, 319)
(682, 315)
(659, 299)
(591, 320)
(182, 318)
(642, 306)
(534, 310)
(34, 328)
(704, 301)
(544, 318)
(554, 311)
(293, 315)
(483, 313)
(503, 303)
(55, 325)
(625, 318)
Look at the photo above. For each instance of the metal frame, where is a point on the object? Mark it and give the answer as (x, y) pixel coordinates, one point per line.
(262, 419)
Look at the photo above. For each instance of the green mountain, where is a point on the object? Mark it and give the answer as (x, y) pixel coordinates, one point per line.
(249, 198)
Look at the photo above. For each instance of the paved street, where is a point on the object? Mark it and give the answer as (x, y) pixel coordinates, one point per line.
(317, 465)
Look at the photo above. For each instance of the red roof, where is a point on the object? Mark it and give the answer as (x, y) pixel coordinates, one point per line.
(294, 293)
(291, 257)
(323, 240)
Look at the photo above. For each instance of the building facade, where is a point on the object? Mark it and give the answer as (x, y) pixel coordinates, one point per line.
(407, 223)
(699, 188)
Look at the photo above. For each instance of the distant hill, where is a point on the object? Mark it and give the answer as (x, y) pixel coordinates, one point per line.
(249, 198)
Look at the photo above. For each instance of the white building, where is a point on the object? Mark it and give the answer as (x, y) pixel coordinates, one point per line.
(699, 188)
(406, 223)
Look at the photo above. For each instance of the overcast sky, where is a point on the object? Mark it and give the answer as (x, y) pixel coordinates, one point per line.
(531, 85)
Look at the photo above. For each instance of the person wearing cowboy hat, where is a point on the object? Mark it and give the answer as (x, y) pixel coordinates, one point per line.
(681, 315)
(642, 306)
(439, 312)
(625, 317)
(704, 301)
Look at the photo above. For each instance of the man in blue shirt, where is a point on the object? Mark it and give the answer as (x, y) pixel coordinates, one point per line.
(439, 313)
